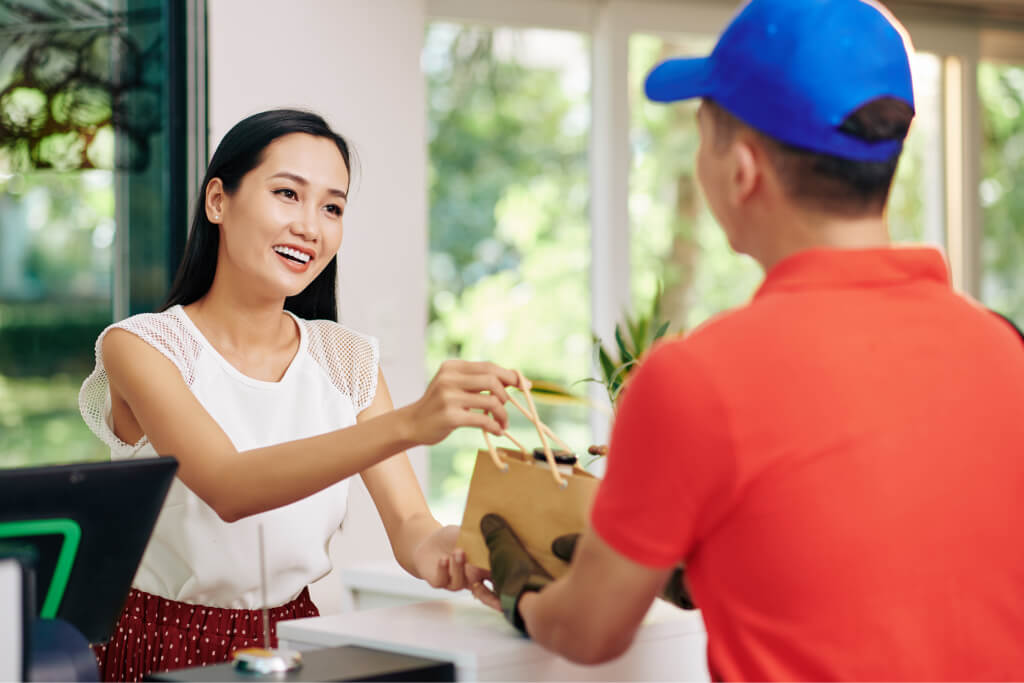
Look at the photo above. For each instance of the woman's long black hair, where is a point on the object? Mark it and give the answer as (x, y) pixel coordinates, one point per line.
(239, 152)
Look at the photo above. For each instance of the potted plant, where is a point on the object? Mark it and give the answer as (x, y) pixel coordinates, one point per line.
(634, 336)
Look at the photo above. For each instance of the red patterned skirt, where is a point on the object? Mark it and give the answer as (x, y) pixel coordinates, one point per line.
(155, 634)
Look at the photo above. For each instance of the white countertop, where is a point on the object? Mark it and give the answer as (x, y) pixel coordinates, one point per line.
(670, 645)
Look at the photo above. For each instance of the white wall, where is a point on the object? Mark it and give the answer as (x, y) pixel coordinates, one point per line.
(357, 63)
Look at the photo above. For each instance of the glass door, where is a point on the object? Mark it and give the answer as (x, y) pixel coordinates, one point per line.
(92, 200)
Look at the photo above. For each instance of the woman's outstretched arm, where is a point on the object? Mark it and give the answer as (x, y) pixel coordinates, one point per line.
(421, 545)
(147, 389)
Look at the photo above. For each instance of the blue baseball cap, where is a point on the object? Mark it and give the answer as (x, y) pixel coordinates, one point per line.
(795, 69)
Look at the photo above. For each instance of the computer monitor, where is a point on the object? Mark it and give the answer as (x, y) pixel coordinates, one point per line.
(89, 524)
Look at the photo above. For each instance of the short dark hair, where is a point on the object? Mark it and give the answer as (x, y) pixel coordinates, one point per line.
(824, 182)
(239, 152)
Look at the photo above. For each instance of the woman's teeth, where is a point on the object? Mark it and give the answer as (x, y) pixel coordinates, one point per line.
(293, 254)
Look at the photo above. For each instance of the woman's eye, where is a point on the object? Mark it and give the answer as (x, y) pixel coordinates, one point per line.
(286, 193)
(334, 209)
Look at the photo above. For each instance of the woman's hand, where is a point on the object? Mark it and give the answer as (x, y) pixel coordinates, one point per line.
(442, 565)
(455, 398)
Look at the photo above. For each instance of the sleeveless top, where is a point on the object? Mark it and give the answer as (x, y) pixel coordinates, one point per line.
(193, 555)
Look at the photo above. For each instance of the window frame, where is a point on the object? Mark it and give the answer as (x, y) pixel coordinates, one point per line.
(952, 205)
(186, 149)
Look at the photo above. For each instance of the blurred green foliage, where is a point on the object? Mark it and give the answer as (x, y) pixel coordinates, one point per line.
(56, 233)
(1002, 188)
(509, 231)
(676, 247)
(40, 423)
(509, 236)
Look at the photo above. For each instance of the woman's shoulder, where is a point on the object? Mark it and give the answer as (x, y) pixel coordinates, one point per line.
(350, 359)
(333, 339)
(161, 320)
(166, 331)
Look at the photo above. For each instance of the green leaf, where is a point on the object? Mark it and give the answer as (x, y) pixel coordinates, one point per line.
(623, 371)
(607, 366)
(645, 328)
(661, 331)
(624, 355)
(638, 331)
(554, 393)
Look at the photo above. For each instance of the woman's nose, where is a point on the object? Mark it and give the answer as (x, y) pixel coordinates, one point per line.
(305, 226)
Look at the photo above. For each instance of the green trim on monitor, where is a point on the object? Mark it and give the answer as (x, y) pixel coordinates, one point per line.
(65, 559)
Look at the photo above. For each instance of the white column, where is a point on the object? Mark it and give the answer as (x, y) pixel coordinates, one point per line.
(609, 182)
(962, 121)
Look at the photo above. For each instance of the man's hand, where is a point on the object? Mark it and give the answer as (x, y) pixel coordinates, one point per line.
(675, 590)
(513, 569)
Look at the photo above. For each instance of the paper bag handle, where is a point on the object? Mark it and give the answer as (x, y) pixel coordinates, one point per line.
(542, 430)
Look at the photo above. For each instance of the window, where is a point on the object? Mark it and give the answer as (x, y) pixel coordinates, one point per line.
(658, 232)
(675, 243)
(915, 202)
(1001, 89)
(91, 200)
(509, 234)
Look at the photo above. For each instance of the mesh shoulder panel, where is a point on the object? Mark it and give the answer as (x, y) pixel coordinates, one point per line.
(349, 358)
(166, 333)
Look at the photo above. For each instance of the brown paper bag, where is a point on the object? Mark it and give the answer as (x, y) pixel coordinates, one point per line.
(534, 505)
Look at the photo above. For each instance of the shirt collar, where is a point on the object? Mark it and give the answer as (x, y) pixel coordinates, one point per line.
(845, 268)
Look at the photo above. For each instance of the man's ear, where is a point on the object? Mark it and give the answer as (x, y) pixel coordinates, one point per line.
(745, 171)
(215, 200)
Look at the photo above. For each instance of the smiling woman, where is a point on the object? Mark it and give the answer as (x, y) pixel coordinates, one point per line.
(225, 194)
(269, 405)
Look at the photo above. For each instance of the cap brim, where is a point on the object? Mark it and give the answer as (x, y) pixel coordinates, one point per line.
(680, 78)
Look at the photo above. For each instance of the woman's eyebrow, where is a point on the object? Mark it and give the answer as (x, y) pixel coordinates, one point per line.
(302, 181)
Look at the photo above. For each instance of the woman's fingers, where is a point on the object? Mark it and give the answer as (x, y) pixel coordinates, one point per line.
(455, 573)
(466, 418)
(481, 593)
(475, 382)
(488, 403)
(451, 572)
(475, 574)
(457, 577)
(466, 394)
(505, 376)
(440, 577)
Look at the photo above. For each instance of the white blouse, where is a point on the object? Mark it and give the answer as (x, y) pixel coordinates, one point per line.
(196, 557)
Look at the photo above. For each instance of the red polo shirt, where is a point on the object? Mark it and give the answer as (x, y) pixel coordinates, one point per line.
(840, 464)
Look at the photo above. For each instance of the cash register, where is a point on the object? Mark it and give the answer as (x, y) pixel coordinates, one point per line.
(71, 538)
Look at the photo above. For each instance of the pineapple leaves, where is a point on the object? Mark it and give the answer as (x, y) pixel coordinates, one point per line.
(633, 338)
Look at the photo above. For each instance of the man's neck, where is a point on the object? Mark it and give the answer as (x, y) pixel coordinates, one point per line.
(807, 230)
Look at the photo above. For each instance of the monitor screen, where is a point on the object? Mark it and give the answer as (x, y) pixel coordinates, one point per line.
(89, 524)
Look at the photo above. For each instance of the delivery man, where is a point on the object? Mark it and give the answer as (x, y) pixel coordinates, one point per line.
(839, 463)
